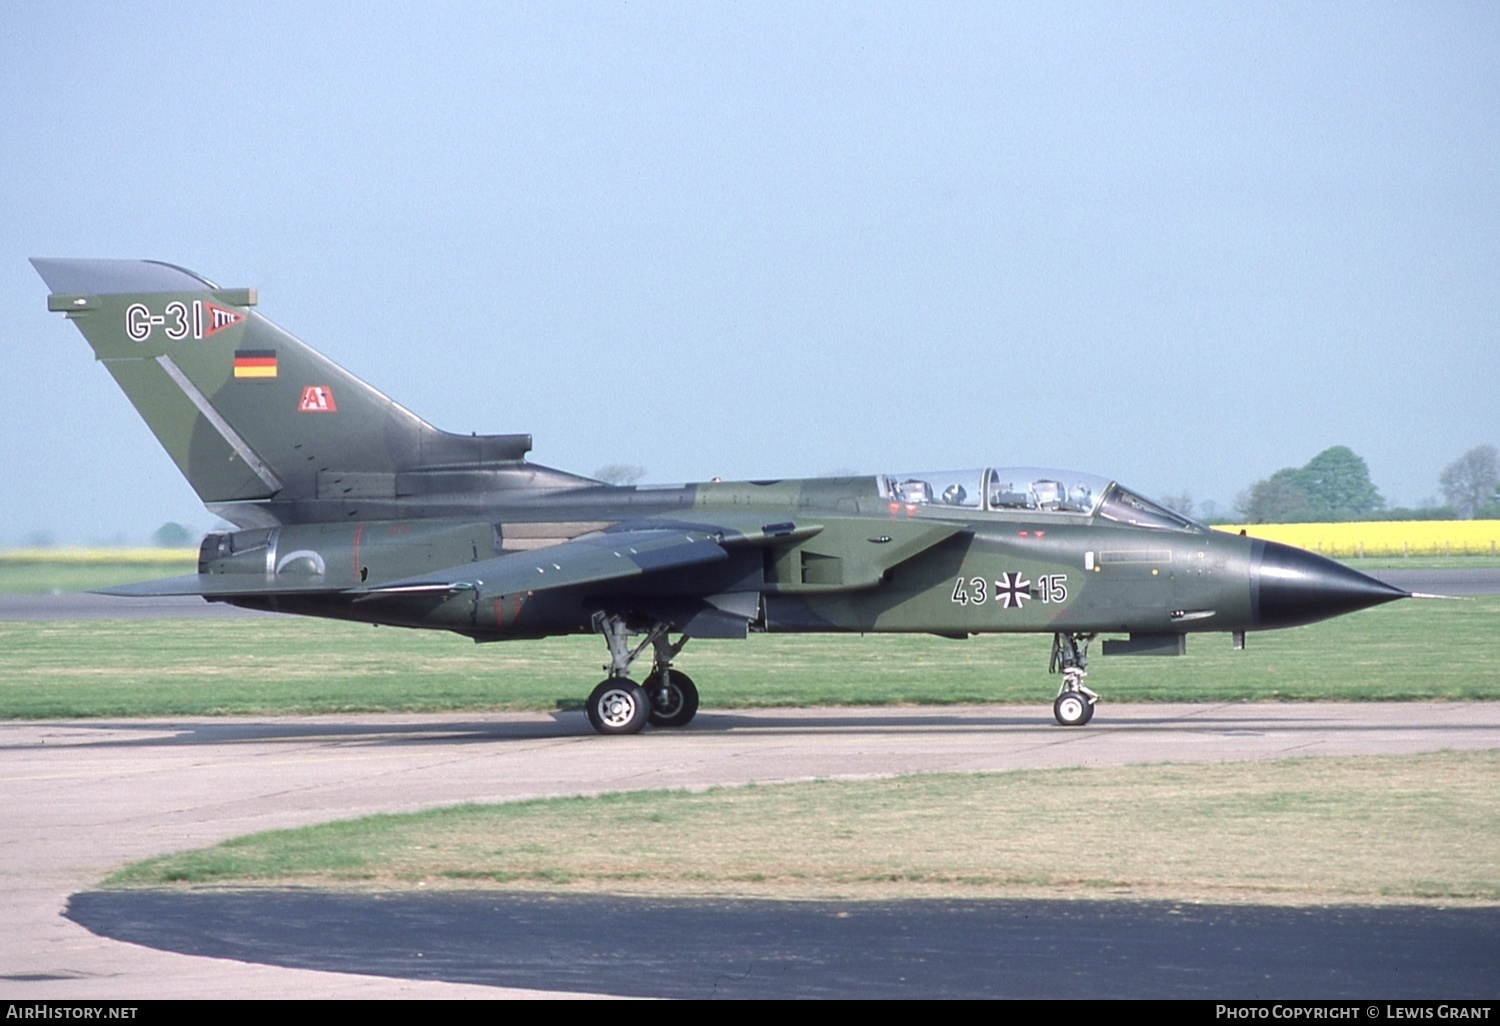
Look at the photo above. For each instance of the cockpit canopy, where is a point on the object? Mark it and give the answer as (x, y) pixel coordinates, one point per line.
(1031, 490)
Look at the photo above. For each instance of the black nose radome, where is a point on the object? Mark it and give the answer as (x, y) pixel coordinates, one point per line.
(1290, 586)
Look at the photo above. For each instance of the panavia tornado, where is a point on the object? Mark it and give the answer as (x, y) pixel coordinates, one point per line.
(350, 506)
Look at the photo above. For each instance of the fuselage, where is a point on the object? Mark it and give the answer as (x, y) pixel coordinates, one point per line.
(1036, 563)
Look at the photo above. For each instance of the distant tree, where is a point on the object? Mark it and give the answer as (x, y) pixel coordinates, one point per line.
(39, 539)
(172, 535)
(620, 473)
(1337, 485)
(1469, 482)
(1276, 500)
(1334, 485)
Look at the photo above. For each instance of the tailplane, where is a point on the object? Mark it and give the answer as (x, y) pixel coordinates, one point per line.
(249, 413)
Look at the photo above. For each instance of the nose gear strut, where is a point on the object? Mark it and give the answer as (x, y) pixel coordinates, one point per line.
(1075, 701)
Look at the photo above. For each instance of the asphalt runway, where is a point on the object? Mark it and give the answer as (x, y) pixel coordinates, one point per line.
(697, 949)
(83, 797)
(1456, 582)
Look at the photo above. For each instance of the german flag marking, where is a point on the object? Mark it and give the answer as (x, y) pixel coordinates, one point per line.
(255, 363)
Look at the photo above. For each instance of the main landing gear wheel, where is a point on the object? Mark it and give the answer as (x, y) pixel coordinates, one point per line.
(1073, 709)
(619, 706)
(674, 702)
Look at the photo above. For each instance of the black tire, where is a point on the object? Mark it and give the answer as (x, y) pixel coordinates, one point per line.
(1073, 709)
(619, 706)
(674, 705)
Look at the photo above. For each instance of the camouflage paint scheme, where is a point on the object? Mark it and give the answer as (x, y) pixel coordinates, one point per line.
(350, 506)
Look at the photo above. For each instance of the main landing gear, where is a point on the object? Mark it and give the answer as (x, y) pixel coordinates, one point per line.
(667, 698)
(1075, 701)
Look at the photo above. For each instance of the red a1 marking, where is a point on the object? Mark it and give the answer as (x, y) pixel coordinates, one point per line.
(317, 399)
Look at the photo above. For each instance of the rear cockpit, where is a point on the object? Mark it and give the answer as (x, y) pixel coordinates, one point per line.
(1031, 490)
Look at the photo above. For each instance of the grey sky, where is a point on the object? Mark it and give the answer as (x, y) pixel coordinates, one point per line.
(1183, 246)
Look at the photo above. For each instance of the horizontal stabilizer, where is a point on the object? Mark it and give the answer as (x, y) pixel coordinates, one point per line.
(214, 586)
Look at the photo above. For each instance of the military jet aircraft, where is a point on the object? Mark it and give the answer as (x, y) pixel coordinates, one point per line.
(352, 507)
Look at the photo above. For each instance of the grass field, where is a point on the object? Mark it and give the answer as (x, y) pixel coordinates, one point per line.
(275, 665)
(43, 571)
(1356, 830)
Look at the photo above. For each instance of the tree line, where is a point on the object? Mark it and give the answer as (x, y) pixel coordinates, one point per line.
(1335, 485)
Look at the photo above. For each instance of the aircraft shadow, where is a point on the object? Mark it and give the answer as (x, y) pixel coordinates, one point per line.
(1219, 720)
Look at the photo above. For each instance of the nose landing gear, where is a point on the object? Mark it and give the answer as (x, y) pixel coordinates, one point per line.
(1074, 706)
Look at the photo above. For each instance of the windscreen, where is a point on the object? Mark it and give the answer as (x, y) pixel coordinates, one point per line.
(1126, 507)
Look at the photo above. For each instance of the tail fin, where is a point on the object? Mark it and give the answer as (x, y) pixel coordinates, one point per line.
(248, 412)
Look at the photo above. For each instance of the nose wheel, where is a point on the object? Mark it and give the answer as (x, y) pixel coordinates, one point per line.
(1073, 708)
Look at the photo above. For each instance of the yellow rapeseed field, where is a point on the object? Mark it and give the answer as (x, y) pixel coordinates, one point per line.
(1385, 538)
(97, 555)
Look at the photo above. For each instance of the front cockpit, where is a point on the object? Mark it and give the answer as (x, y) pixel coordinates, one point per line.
(1031, 490)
